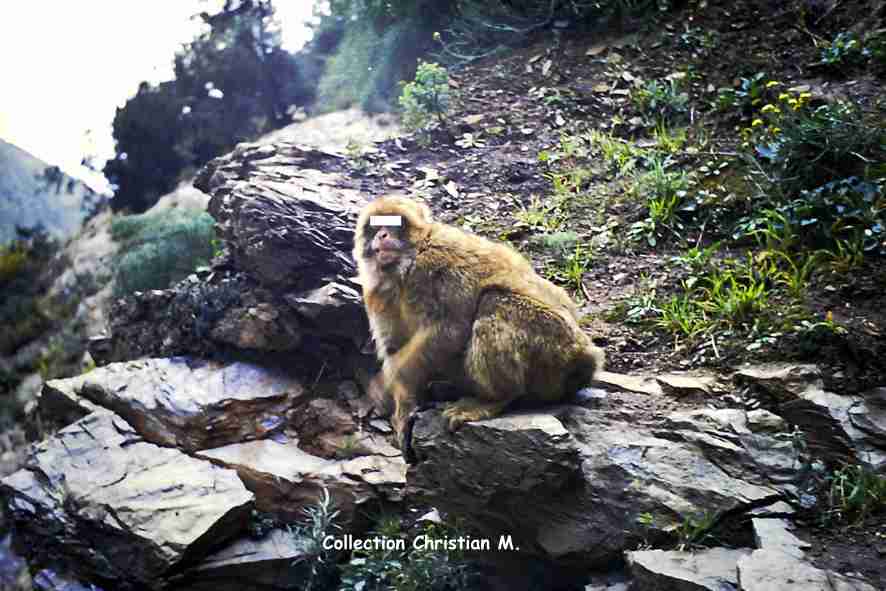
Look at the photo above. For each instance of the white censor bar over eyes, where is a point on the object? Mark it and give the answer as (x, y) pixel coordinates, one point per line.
(385, 220)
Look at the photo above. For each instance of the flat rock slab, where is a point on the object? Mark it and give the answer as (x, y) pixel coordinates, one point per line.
(772, 570)
(112, 508)
(273, 562)
(287, 479)
(705, 570)
(182, 402)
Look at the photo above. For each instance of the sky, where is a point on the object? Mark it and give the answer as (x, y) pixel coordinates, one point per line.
(65, 66)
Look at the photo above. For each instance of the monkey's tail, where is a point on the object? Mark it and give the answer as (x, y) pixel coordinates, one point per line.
(584, 366)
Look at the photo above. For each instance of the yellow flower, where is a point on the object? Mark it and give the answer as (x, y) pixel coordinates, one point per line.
(756, 122)
(775, 130)
(756, 102)
(770, 109)
(772, 83)
(784, 96)
(805, 96)
(829, 316)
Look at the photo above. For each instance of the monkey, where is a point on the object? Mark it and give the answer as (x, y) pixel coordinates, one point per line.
(441, 301)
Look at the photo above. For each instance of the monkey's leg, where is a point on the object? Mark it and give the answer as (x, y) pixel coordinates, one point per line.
(495, 363)
(472, 409)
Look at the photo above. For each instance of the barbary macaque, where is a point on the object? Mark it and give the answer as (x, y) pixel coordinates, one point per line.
(442, 302)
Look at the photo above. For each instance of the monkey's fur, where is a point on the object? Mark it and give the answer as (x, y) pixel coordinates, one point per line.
(442, 302)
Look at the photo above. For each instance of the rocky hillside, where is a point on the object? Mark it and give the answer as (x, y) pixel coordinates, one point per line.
(27, 200)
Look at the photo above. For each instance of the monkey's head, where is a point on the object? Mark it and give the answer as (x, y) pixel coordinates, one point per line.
(388, 232)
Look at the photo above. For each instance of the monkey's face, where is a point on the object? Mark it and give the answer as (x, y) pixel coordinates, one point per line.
(388, 231)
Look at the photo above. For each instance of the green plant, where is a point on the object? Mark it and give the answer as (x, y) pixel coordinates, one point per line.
(621, 155)
(573, 266)
(318, 523)
(540, 214)
(845, 50)
(669, 141)
(854, 492)
(426, 97)
(683, 315)
(403, 566)
(805, 148)
(662, 99)
(695, 530)
(158, 249)
(748, 95)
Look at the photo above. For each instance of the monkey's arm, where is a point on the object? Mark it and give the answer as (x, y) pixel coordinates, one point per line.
(406, 372)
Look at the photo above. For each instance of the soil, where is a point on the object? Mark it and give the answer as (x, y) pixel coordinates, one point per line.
(521, 103)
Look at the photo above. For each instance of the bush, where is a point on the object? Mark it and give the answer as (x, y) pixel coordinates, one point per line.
(159, 249)
(425, 98)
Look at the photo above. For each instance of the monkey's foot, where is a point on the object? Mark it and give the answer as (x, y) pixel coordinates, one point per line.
(471, 409)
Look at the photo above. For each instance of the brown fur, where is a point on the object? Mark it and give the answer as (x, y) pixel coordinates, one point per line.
(447, 302)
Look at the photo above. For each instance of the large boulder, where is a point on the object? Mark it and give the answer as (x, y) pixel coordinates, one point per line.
(112, 508)
(286, 215)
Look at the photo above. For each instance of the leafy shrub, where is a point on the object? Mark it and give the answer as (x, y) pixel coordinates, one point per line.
(845, 50)
(415, 569)
(663, 99)
(426, 97)
(158, 249)
(750, 94)
(838, 211)
(853, 493)
(808, 147)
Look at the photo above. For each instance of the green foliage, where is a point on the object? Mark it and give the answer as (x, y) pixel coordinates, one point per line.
(854, 492)
(232, 82)
(844, 51)
(367, 65)
(319, 521)
(695, 530)
(426, 98)
(663, 100)
(806, 148)
(749, 95)
(621, 155)
(844, 212)
(412, 569)
(159, 249)
(540, 214)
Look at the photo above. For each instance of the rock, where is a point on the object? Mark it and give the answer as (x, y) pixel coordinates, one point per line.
(285, 211)
(271, 563)
(263, 327)
(658, 570)
(775, 534)
(286, 479)
(13, 569)
(113, 509)
(48, 579)
(839, 428)
(782, 380)
(181, 402)
(589, 474)
(763, 421)
(772, 570)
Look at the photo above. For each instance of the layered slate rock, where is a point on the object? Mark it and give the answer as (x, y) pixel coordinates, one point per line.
(269, 563)
(286, 479)
(774, 570)
(181, 402)
(712, 569)
(112, 508)
(588, 474)
(839, 428)
(286, 215)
